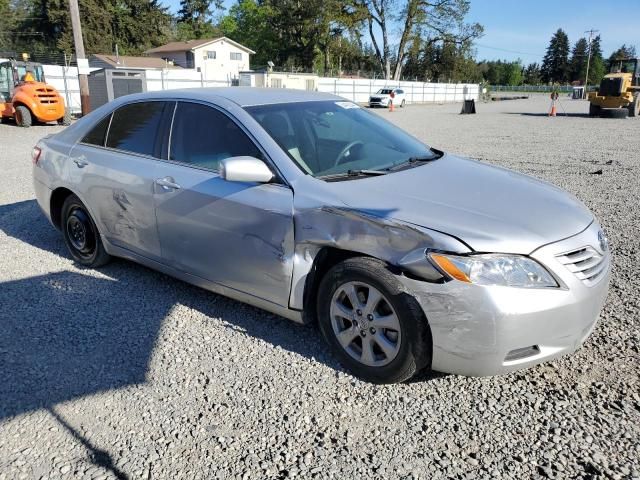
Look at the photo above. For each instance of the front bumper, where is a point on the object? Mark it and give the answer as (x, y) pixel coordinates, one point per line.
(483, 331)
(378, 103)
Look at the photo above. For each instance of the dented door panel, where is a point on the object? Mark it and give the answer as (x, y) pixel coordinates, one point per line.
(118, 186)
(239, 235)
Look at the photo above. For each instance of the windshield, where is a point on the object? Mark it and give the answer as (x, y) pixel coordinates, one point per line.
(36, 71)
(385, 91)
(333, 137)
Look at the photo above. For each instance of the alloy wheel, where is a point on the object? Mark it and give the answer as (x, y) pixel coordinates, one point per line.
(365, 324)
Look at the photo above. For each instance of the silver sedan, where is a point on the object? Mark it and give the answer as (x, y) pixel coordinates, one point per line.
(308, 206)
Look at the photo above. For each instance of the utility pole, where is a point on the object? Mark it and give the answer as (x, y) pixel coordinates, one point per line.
(83, 65)
(586, 75)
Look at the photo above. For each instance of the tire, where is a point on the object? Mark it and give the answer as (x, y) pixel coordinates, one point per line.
(81, 235)
(402, 104)
(23, 116)
(617, 113)
(66, 118)
(634, 107)
(594, 110)
(406, 337)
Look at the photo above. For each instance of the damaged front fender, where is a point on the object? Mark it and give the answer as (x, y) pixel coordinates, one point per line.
(375, 234)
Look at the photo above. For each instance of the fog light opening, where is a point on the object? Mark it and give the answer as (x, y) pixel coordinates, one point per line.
(520, 353)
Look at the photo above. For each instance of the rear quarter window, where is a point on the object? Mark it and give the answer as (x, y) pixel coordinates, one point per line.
(97, 134)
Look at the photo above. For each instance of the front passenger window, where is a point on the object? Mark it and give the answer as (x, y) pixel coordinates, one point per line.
(202, 136)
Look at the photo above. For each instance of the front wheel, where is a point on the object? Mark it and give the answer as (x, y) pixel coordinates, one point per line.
(81, 235)
(374, 327)
(66, 118)
(402, 104)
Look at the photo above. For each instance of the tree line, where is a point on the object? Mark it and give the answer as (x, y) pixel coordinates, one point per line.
(561, 64)
(326, 36)
(428, 40)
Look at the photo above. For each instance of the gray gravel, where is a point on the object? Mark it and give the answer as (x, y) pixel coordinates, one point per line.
(126, 373)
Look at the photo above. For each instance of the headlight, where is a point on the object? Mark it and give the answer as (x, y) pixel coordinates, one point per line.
(504, 270)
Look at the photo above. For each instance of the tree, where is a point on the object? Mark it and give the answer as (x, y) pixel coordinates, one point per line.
(625, 51)
(439, 20)
(597, 68)
(555, 65)
(194, 19)
(578, 62)
(532, 74)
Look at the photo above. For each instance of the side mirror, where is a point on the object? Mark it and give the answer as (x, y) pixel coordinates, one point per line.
(245, 169)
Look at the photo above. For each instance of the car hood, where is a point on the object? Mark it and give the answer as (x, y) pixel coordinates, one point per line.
(491, 209)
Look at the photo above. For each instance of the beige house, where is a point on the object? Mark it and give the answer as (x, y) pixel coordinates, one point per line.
(217, 58)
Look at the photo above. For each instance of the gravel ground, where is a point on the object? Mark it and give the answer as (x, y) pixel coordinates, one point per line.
(126, 373)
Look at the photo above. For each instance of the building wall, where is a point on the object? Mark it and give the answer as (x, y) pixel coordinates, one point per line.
(222, 67)
(279, 80)
(178, 58)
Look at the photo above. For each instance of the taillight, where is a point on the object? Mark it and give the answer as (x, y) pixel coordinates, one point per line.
(35, 154)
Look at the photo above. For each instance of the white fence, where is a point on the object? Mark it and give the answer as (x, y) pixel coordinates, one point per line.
(416, 92)
(65, 79)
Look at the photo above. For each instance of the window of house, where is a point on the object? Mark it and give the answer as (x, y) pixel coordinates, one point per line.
(203, 136)
(236, 56)
(136, 127)
(211, 54)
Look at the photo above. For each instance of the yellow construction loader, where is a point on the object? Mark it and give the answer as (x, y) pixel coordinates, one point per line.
(619, 90)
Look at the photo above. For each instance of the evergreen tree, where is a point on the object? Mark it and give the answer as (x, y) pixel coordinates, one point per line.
(625, 51)
(578, 63)
(555, 66)
(195, 19)
(597, 67)
(532, 74)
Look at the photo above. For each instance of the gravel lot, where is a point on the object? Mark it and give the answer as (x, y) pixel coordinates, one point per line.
(126, 373)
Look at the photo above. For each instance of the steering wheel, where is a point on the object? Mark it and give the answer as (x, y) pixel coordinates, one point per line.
(344, 151)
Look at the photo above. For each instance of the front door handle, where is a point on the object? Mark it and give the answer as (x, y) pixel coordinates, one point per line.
(80, 162)
(167, 184)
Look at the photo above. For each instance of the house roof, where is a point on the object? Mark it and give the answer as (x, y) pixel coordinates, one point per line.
(193, 44)
(124, 61)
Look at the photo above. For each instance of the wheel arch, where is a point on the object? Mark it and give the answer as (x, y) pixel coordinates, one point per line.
(58, 196)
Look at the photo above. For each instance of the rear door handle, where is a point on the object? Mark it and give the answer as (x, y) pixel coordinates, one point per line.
(167, 184)
(80, 162)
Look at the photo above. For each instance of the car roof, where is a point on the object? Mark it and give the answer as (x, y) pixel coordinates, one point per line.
(243, 96)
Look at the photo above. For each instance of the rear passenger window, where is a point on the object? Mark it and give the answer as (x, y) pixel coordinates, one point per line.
(202, 136)
(135, 127)
(97, 134)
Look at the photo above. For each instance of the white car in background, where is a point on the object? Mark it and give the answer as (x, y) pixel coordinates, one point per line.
(382, 97)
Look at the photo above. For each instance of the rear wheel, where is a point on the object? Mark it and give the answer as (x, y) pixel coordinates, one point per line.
(66, 118)
(374, 327)
(23, 116)
(634, 107)
(81, 235)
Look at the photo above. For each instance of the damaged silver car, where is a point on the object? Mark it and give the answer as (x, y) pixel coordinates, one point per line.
(308, 206)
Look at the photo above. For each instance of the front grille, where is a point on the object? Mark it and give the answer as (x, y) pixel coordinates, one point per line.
(47, 95)
(610, 87)
(585, 263)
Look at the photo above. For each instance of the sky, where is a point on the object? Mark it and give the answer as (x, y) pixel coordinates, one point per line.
(521, 29)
